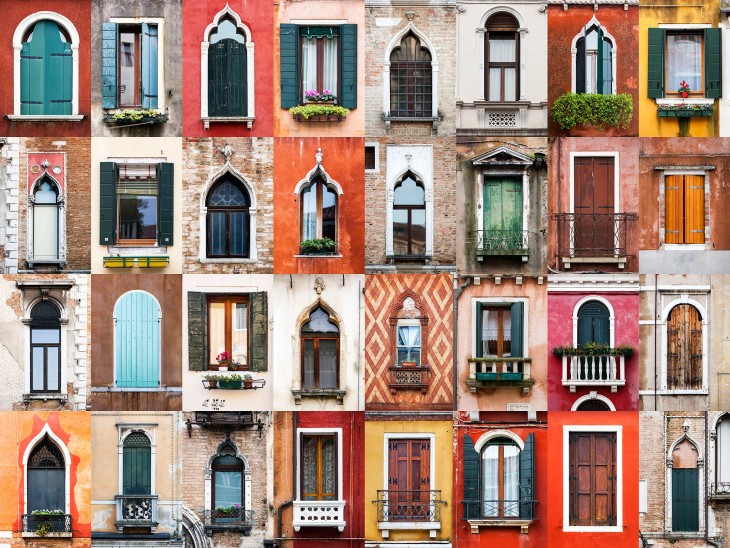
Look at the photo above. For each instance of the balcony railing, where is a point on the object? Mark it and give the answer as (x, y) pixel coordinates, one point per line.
(47, 524)
(495, 372)
(594, 237)
(136, 511)
(720, 491)
(238, 520)
(505, 513)
(594, 370)
(408, 378)
(408, 505)
(319, 513)
(501, 242)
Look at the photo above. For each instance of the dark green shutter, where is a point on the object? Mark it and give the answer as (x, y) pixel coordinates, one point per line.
(713, 63)
(227, 86)
(136, 473)
(289, 65)
(259, 336)
(478, 334)
(580, 66)
(149, 66)
(685, 500)
(109, 58)
(197, 331)
(107, 202)
(655, 82)
(348, 66)
(238, 85)
(527, 478)
(517, 313)
(599, 63)
(594, 324)
(217, 78)
(165, 203)
(471, 480)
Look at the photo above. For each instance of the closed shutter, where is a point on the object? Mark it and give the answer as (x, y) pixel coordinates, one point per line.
(655, 63)
(503, 207)
(136, 469)
(694, 209)
(109, 58)
(59, 74)
(289, 65)
(46, 489)
(259, 335)
(217, 78)
(684, 348)
(197, 331)
(713, 63)
(592, 469)
(137, 341)
(594, 323)
(149, 66)
(674, 209)
(479, 325)
(599, 63)
(409, 479)
(238, 89)
(348, 66)
(517, 317)
(685, 500)
(166, 181)
(471, 479)
(227, 90)
(392, 473)
(594, 204)
(580, 66)
(107, 202)
(527, 477)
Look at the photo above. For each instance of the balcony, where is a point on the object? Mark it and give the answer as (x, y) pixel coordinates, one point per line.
(719, 492)
(501, 243)
(409, 510)
(136, 511)
(597, 238)
(405, 377)
(237, 520)
(498, 372)
(46, 525)
(499, 513)
(319, 513)
(594, 370)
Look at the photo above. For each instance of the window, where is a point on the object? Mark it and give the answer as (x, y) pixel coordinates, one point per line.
(409, 217)
(684, 348)
(318, 211)
(684, 61)
(137, 350)
(228, 328)
(137, 464)
(410, 79)
(136, 204)
(594, 62)
(228, 484)
(499, 330)
(722, 457)
(320, 351)
(228, 229)
(500, 473)
(593, 405)
(502, 51)
(319, 467)
(594, 205)
(592, 479)
(318, 58)
(371, 159)
(227, 93)
(45, 347)
(46, 481)
(408, 346)
(46, 226)
(594, 324)
(130, 75)
(502, 214)
(685, 487)
(684, 220)
(409, 479)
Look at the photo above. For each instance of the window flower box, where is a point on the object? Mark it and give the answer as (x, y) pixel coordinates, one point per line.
(318, 246)
(135, 117)
(684, 111)
(311, 112)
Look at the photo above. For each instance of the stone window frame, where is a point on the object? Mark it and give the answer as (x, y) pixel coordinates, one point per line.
(665, 171)
(701, 472)
(481, 32)
(394, 322)
(124, 430)
(61, 207)
(246, 476)
(574, 52)
(38, 438)
(506, 300)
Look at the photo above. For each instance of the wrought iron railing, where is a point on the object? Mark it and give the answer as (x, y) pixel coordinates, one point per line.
(499, 369)
(720, 489)
(594, 370)
(502, 242)
(238, 519)
(597, 235)
(408, 505)
(499, 509)
(44, 524)
(136, 510)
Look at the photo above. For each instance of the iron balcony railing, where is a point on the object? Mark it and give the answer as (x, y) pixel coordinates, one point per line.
(43, 524)
(238, 519)
(499, 510)
(501, 242)
(594, 235)
(136, 510)
(720, 489)
(409, 505)
(594, 370)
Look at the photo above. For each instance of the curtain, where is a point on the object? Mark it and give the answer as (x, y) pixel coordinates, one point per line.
(327, 363)
(45, 230)
(239, 332)
(329, 472)
(511, 480)
(684, 61)
(490, 480)
(723, 451)
(309, 212)
(309, 363)
(227, 489)
(510, 84)
(309, 64)
(501, 50)
(409, 343)
(309, 468)
(216, 329)
(329, 70)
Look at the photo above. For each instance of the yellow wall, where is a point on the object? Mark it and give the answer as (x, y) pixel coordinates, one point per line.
(650, 125)
(442, 452)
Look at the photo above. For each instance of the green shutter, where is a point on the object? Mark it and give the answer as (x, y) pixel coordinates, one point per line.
(655, 60)
(136, 471)
(289, 65)
(197, 331)
(471, 480)
(594, 324)
(109, 58)
(580, 66)
(478, 334)
(259, 336)
(227, 86)
(107, 202)
(165, 203)
(527, 478)
(217, 55)
(685, 500)
(149, 66)
(599, 62)
(713, 63)
(517, 313)
(348, 66)
(238, 86)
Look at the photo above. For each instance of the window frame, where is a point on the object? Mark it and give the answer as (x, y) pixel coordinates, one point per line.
(123, 431)
(320, 59)
(689, 170)
(506, 302)
(409, 209)
(38, 438)
(574, 52)
(488, 65)
(61, 242)
(229, 301)
(501, 500)
(320, 183)
(409, 322)
(240, 468)
(137, 242)
(671, 303)
(407, 73)
(325, 432)
(47, 347)
(671, 92)
(317, 338)
(375, 145)
(227, 210)
(136, 31)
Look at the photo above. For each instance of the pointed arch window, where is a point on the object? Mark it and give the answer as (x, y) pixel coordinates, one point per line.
(46, 479)
(318, 211)
(320, 339)
(684, 348)
(137, 325)
(227, 73)
(409, 217)
(502, 51)
(228, 218)
(45, 348)
(46, 227)
(685, 487)
(594, 62)
(411, 80)
(228, 484)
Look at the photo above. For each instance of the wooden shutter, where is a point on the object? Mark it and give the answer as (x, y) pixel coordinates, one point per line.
(580, 66)
(527, 477)
(289, 65)
(217, 78)
(655, 63)
(137, 341)
(259, 331)
(599, 62)
(685, 500)
(227, 86)
(107, 202)
(673, 209)
(471, 479)
(166, 182)
(594, 323)
(517, 317)
(149, 66)
(136, 472)
(109, 56)
(238, 86)
(713, 63)
(479, 326)
(197, 331)
(694, 209)
(592, 469)
(46, 489)
(684, 348)
(348, 66)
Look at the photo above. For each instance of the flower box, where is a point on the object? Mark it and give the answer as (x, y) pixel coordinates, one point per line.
(236, 384)
(487, 376)
(684, 112)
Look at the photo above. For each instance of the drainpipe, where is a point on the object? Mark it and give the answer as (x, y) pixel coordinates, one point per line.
(458, 289)
(656, 304)
(707, 483)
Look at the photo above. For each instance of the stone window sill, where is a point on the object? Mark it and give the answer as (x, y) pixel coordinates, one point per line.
(319, 393)
(44, 118)
(207, 120)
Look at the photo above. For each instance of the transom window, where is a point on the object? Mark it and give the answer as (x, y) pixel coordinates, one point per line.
(409, 217)
(320, 351)
(502, 51)
(594, 63)
(228, 219)
(318, 211)
(410, 79)
(684, 348)
(45, 348)
(228, 328)
(318, 467)
(137, 464)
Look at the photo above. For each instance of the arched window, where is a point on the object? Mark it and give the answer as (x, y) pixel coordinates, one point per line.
(47, 480)
(228, 229)
(411, 91)
(318, 211)
(594, 324)
(593, 405)
(500, 475)
(45, 348)
(320, 351)
(685, 487)
(409, 217)
(137, 464)
(45, 221)
(502, 53)
(137, 322)
(684, 348)
(227, 72)
(594, 62)
(722, 457)
(228, 485)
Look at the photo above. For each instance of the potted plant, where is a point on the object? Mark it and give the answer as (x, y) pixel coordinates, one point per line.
(323, 97)
(684, 89)
(47, 521)
(317, 246)
(226, 514)
(212, 380)
(223, 359)
(313, 112)
(247, 381)
(135, 116)
(230, 381)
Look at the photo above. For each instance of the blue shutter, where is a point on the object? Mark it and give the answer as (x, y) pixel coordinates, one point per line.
(149, 66)
(137, 341)
(527, 478)
(109, 58)
(289, 65)
(471, 480)
(348, 66)
(46, 72)
(517, 317)
(165, 202)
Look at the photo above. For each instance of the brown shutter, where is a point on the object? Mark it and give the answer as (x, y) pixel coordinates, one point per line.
(694, 206)
(695, 347)
(674, 205)
(392, 471)
(592, 481)
(684, 348)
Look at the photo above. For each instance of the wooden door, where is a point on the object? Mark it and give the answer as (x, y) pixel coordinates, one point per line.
(593, 206)
(409, 480)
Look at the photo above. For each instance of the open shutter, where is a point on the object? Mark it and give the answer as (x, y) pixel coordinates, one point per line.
(259, 336)
(149, 66)
(674, 208)
(580, 66)
(478, 334)
(348, 66)
(599, 63)
(471, 480)
(289, 65)
(166, 183)
(527, 478)
(392, 473)
(421, 511)
(713, 63)
(109, 58)
(655, 82)
(197, 331)
(29, 65)
(694, 209)
(517, 313)
(107, 202)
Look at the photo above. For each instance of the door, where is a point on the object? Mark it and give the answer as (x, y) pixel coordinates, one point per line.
(502, 214)
(592, 479)
(684, 348)
(409, 480)
(593, 207)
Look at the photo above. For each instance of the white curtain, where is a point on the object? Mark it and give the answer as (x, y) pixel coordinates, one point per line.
(490, 480)
(309, 64)
(329, 72)
(723, 451)
(501, 51)
(309, 212)
(510, 84)
(45, 231)
(511, 480)
(684, 61)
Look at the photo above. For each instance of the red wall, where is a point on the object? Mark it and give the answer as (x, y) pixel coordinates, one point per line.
(259, 18)
(629, 537)
(344, 161)
(560, 333)
(79, 13)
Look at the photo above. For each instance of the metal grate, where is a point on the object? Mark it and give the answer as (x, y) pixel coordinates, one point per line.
(410, 79)
(501, 119)
(46, 455)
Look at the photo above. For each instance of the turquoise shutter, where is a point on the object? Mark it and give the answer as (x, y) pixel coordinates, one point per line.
(46, 72)
(655, 82)
(685, 500)
(29, 66)
(527, 478)
(259, 335)
(348, 66)
(137, 341)
(107, 202)
(109, 58)
(166, 181)
(516, 346)
(478, 334)
(713, 63)
(471, 480)
(149, 66)
(197, 331)
(289, 65)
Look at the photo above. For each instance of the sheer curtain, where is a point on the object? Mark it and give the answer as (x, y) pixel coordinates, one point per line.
(511, 480)
(309, 64)
(684, 61)
(329, 70)
(490, 480)
(502, 51)
(327, 363)
(309, 212)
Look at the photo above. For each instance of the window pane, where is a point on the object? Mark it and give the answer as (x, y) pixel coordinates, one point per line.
(309, 212)
(723, 452)
(495, 84)
(216, 329)
(45, 231)
(327, 363)
(38, 369)
(684, 61)
(238, 234)
(137, 217)
(54, 382)
(409, 344)
(501, 50)
(229, 194)
(308, 363)
(400, 231)
(510, 84)
(216, 233)
(127, 68)
(45, 336)
(329, 213)
(511, 479)
(490, 480)
(226, 29)
(408, 193)
(239, 332)
(309, 64)
(329, 75)
(227, 488)
(329, 469)
(418, 232)
(309, 468)
(607, 69)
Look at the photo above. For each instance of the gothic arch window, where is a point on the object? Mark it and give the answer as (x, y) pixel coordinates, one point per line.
(409, 217)
(45, 347)
(229, 223)
(137, 340)
(46, 481)
(46, 218)
(721, 484)
(320, 340)
(411, 82)
(593, 60)
(318, 211)
(228, 487)
(502, 54)
(685, 487)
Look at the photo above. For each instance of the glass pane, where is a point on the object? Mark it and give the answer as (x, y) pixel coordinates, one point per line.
(329, 76)
(409, 344)
(216, 330)
(308, 363)
(400, 231)
(238, 234)
(226, 29)
(309, 212)
(216, 233)
(137, 217)
(239, 332)
(227, 489)
(607, 69)
(309, 468)
(327, 363)
(309, 64)
(501, 50)
(319, 322)
(227, 194)
(684, 61)
(511, 479)
(54, 382)
(418, 232)
(591, 60)
(329, 213)
(490, 480)
(408, 193)
(127, 69)
(329, 469)
(510, 84)
(592, 40)
(38, 369)
(46, 194)
(495, 84)
(45, 231)
(723, 453)
(45, 336)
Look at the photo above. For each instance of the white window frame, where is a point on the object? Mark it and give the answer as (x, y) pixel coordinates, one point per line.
(46, 430)
(482, 35)
(502, 301)
(124, 430)
(246, 476)
(159, 327)
(319, 432)
(593, 396)
(611, 317)
(574, 54)
(703, 172)
(60, 206)
(701, 474)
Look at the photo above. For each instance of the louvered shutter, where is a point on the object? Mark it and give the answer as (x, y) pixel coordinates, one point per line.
(197, 331)
(259, 335)
(109, 57)
(599, 63)
(422, 510)
(478, 328)
(527, 478)
(107, 202)
(655, 63)
(713, 63)
(149, 66)
(217, 78)
(137, 341)
(517, 317)
(348, 66)
(289, 65)
(238, 88)
(166, 182)
(58, 92)
(471, 479)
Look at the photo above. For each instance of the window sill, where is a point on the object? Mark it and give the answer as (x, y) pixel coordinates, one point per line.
(38, 262)
(685, 247)
(107, 389)
(523, 524)
(595, 529)
(159, 118)
(673, 102)
(392, 259)
(45, 396)
(702, 392)
(133, 249)
(431, 526)
(44, 118)
(207, 260)
(319, 118)
(434, 121)
(619, 261)
(319, 256)
(319, 393)
(249, 120)
(47, 535)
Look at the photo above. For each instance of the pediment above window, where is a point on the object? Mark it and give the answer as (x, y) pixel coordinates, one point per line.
(503, 157)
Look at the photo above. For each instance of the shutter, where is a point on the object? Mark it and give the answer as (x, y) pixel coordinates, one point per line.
(655, 82)
(694, 325)
(197, 331)
(289, 65)
(259, 335)
(348, 66)
(136, 473)
(28, 67)
(107, 202)
(603, 204)
(599, 62)
(694, 209)
(478, 334)
(166, 181)
(527, 477)
(392, 472)
(471, 480)
(217, 78)
(46, 489)
(603, 476)
(673, 209)
(685, 500)
(238, 89)
(713, 63)
(580, 66)
(425, 466)
(149, 66)
(137, 341)
(58, 71)
(109, 58)
(517, 317)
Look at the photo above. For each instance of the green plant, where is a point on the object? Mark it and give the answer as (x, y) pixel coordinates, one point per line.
(592, 109)
(317, 245)
(43, 529)
(210, 377)
(234, 377)
(624, 350)
(132, 115)
(308, 111)
(247, 377)
(47, 512)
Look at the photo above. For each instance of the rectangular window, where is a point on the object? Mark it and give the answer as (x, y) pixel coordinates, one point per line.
(318, 467)
(371, 163)
(409, 479)
(228, 328)
(319, 54)
(499, 330)
(137, 204)
(684, 209)
(684, 62)
(592, 479)
(408, 344)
